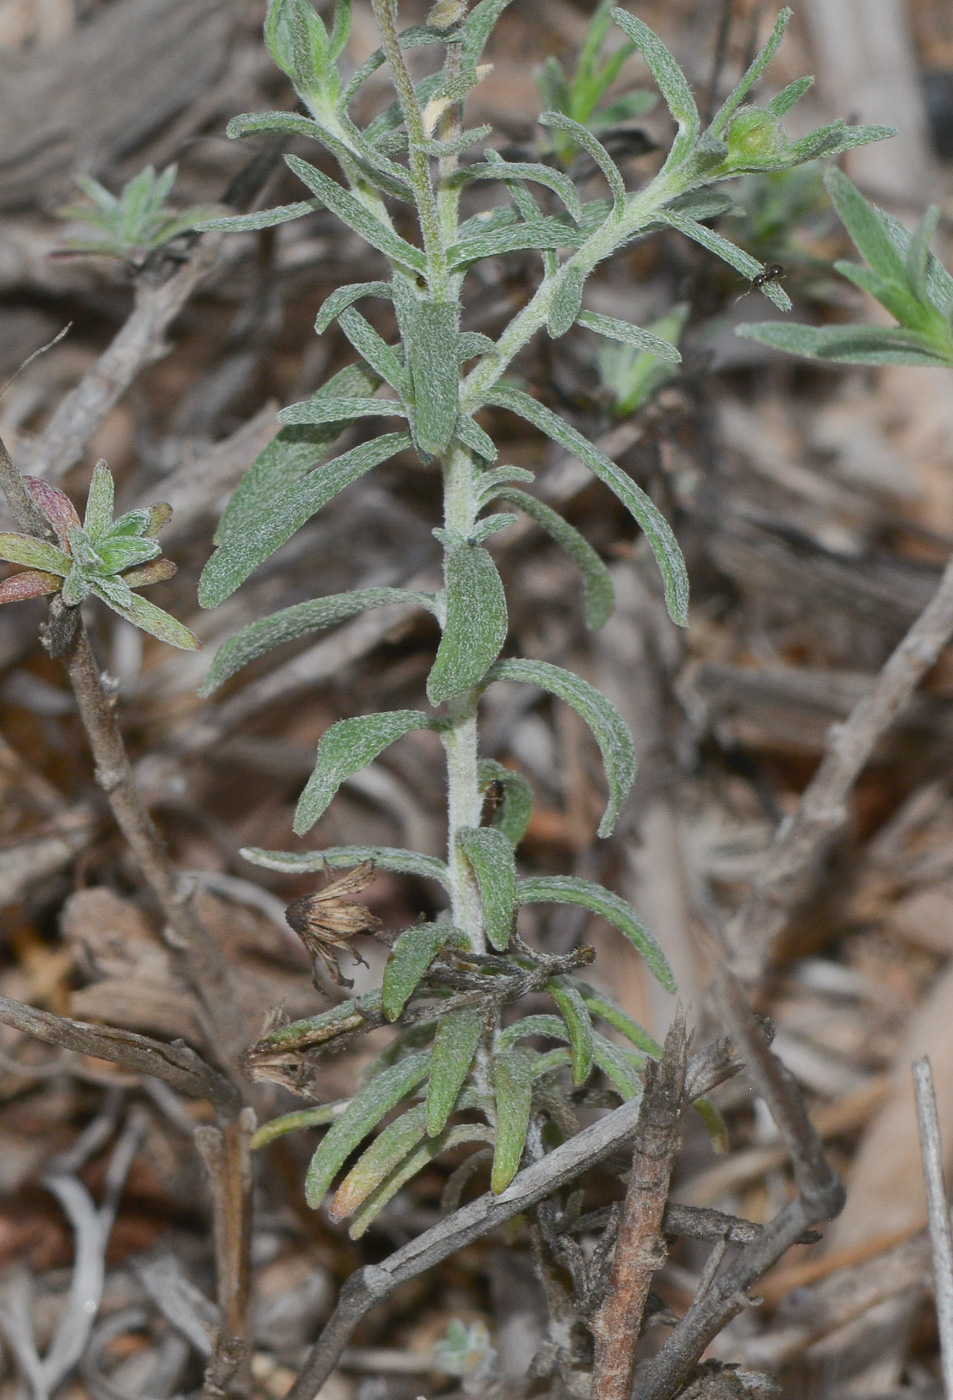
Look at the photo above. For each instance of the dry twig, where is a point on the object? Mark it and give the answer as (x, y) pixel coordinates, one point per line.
(938, 1211)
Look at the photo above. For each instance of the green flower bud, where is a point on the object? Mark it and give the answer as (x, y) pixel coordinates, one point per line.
(755, 138)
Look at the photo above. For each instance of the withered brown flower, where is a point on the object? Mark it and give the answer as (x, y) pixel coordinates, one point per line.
(325, 921)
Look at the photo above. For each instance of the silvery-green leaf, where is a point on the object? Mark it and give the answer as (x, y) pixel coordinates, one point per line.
(897, 297)
(552, 1026)
(719, 123)
(671, 81)
(728, 252)
(83, 550)
(388, 1149)
(421, 1157)
(596, 579)
(36, 554)
(117, 553)
(145, 523)
(409, 959)
(357, 216)
(601, 1004)
(514, 811)
(411, 38)
(499, 169)
(76, 586)
(784, 100)
(472, 435)
(608, 727)
(434, 374)
(594, 148)
(939, 283)
(567, 997)
(513, 1083)
(293, 1122)
(383, 1093)
(479, 25)
(476, 622)
(288, 457)
(849, 345)
(387, 857)
(569, 889)
(494, 865)
(492, 525)
(143, 614)
(495, 242)
(301, 620)
(315, 1030)
(264, 218)
(340, 410)
(344, 297)
(567, 301)
(630, 335)
(473, 343)
(866, 227)
(713, 1121)
(657, 529)
(619, 1066)
(240, 555)
(346, 748)
(455, 145)
(375, 168)
(458, 1035)
(489, 483)
(550, 1061)
(378, 354)
(918, 254)
(99, 502)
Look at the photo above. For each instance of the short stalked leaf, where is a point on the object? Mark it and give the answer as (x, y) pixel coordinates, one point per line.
(614, 329)
(608, 726)
(849, 345)
(472, 435)
(672, 83)
(263, 218)
(598, 592)
(339, 857)
(601, 1004)
(99, 502)
(567, 996)
(409, 959)
(584, 139)
(514, 808)
(657, 529)
(567, 301)
(31, 584)
(458, 1035)
(419, 1158)
(382, 1094)
(554, 1027)
(301, 620)
(728, 252)
(340, 410)
(569, 889)
(619, 1066)
(346, 748)
(494, 865)
(346, 296)
(476, 621)
(513, 1073)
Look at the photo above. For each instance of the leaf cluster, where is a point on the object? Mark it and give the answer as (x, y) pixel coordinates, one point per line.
(134, 223)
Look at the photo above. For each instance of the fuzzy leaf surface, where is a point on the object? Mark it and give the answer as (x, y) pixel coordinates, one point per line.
(566, 994)
(598, 592)
(264, 218)
(386, 1152)
(514, 811)
(513, 1074)
(421, 1157)
(340, 410)
(387, 857)
(409, 959)
(601, 1004)
(618, 1065)
(728, 252)
(614, 329)
(357, 216)
(458, 1035)
(607, 725)
(670, 79)
(434, 374)
(569, 889)
(143, 614)
(848, 345)
(476, 621)
(35, 554)
(494, 865)
(346, 748)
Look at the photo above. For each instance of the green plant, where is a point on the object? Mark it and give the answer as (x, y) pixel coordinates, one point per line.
(901, 273)
(460, 1071)
(630, 376)
(134, 223)
(99, 557)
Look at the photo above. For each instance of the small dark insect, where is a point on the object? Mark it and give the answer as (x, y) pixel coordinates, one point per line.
(492, 801)
(773, 273)
(324, 921)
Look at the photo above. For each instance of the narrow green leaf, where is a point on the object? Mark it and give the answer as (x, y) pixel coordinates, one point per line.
(494, 865)
(866, 227)
(287, 458)
(596, 580)
(472, 435)
(613, 329)
(713, 1121)
(509, 170)
(264, 218)
(293, 1122)
(36, 554)
(238, 556)
(607, 725)
(657, 529)
(411, 1165)
(340, 410)
(490, 483)
(569, 889)
(473, 343)
(492, 525)
(552, 1026)
(301, 620)
(584, 139)
(99, 502)
(514, 811)
(513, 1083)
(601, 1004)
(414, 37)
(728, 252)
(409, 959)
(118, 553)
(848, 345)
(567, 301)
(434, 374)
(346, 748)
(619, 1066)
(476, 622)
(387, 857)
(719, 123)
(143, 614)
(458, 1035)
(357, 216)
(494, 242)
(938, 281)
(918, 254)
(350, 1015)
(783, 101)
(386, 1152)
(383, 1093)
(378, 354)
(479, 25)
(671, 81)
(375, 168)
(346, 296)
(566, 994)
